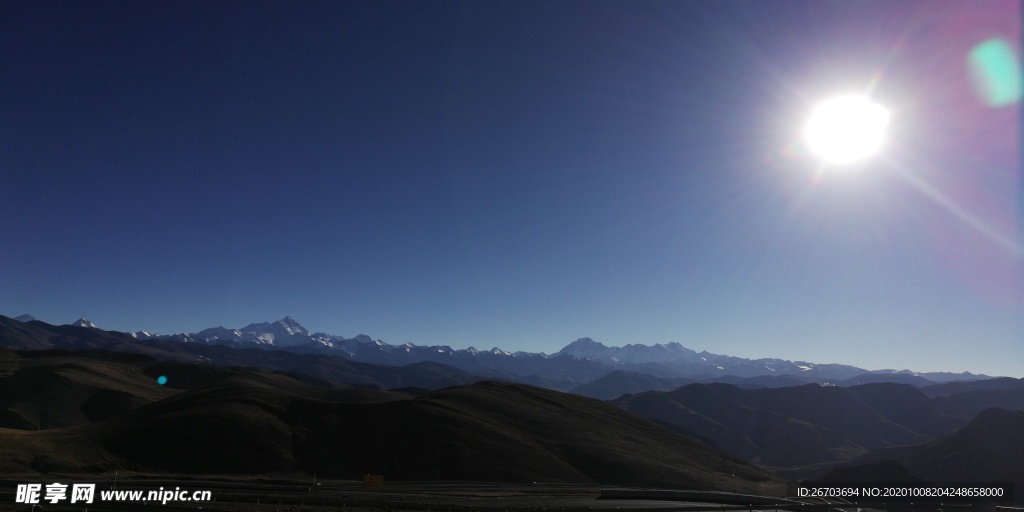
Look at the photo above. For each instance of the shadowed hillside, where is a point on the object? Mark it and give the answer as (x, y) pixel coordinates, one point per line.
(619, 382)
(799, 425)
(888, 470)
(971, 403)
(49, 389)
(209, 420)
(953, 388)
(988, 449)
(56, 388)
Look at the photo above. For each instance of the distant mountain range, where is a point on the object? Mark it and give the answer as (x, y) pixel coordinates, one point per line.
(100, 388)
(578, 363)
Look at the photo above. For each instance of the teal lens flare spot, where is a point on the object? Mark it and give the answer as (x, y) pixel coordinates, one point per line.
(161, 380)
(995, 72)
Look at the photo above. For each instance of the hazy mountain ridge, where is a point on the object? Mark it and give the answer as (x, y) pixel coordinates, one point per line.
(578, 363)
(35, 336)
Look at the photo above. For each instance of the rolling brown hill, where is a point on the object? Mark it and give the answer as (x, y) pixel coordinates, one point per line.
(56, 388)
(51, 389)
(208, 420)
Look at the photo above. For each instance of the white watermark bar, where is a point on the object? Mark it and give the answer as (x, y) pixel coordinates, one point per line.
(85, 493)
(876, 492)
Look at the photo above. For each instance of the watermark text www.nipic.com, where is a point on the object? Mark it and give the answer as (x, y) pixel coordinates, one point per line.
(86, 493)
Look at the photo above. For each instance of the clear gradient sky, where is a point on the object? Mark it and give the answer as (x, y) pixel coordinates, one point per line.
(516, 174)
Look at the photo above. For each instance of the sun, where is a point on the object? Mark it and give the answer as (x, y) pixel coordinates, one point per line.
(846, 129)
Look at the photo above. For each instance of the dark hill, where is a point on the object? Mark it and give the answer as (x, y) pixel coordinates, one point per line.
(57, 388)
(24, 336)
(618, 382)
(889, 471)
(764, 381)
(800, 425)
(968, 398)
(49, 389)
(907, 406)
(953, 388)
(663, 407)
(988, 449)
(254, 423)
(600, 441)
(892, 378)
(971, 403)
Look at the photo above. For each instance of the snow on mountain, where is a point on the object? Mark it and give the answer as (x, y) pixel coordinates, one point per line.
(218, 333)
(286, 332)
(256, 327)
(81, 322)
(290, 326)
(668, 354)
(686, 362)
(661, 358)
(581, 358)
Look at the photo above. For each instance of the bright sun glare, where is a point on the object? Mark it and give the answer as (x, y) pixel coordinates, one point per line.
(846, 129)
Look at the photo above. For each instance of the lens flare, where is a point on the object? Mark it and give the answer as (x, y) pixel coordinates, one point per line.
(995, 73)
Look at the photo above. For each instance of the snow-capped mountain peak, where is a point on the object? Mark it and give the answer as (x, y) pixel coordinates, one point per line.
(280, 333)
(290, 326)
(82, 322)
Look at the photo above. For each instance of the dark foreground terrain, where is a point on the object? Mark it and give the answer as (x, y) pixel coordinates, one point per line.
(954, 432)
(92, 413)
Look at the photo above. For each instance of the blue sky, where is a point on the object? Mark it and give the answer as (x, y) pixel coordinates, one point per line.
(515, 174)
